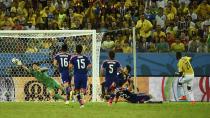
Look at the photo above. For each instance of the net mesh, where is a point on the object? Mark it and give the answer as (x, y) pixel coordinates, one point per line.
(40, 47)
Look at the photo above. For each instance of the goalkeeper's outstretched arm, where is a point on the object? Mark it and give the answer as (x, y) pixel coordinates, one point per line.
(25, 68)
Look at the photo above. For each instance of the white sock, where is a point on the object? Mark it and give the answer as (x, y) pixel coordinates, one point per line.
(191, 96)
(180, 91)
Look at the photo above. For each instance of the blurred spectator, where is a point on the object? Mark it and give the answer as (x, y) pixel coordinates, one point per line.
(177, 46)
(145, 27)
(160, 18)
(172, 29)
(170, 11)
(126, 47)
(162, 45)
(193, 45)
(182, 25)
(118, 47)
(203, 47)
(183, 10)
(208, 42)
(107, 44)
(152, 48)
(203, 9)
(158, 33)
(29, 26)
(17, 25)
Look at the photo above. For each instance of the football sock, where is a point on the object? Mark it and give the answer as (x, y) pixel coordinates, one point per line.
(79, 99)
(180, 91)
(68, 89)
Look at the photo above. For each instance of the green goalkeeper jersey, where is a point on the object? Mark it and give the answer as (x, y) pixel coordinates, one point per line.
(45, 79)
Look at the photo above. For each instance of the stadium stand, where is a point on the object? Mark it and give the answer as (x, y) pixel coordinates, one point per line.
(162, 25)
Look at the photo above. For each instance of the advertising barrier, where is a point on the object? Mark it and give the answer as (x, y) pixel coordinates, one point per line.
(161, 88)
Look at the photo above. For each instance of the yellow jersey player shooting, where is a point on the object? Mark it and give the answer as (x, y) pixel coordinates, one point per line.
(186, 76)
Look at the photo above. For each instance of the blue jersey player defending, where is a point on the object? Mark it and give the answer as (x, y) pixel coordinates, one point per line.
(81, 64)
(124, 78)
(111, 68)
(61, 61)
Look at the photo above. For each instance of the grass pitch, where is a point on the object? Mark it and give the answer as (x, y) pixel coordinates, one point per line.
(101, 110)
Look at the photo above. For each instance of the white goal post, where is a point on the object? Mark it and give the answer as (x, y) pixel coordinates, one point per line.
(91, 40)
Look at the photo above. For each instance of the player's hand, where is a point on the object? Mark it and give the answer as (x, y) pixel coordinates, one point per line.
(17, 62)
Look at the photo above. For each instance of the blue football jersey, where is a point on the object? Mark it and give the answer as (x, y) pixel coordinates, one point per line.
(80, 64)
(63, 60)
(111, 68)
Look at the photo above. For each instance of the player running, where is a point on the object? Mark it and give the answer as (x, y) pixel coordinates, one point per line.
(186, 74)
(41, 75)
(81, 64)
(62, 61)
(131, 97)
(111, 68)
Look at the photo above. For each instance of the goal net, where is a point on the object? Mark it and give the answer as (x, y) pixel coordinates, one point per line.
(40, 46)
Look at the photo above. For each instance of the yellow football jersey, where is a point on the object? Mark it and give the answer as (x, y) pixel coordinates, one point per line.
(185, 66)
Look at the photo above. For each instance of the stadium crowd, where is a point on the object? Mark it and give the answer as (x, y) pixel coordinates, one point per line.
(161, 25)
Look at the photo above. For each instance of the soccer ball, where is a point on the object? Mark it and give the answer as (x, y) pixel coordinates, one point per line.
(16, 61)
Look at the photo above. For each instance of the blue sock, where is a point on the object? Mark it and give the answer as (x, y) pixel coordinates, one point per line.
(79, 99)
(68, 90)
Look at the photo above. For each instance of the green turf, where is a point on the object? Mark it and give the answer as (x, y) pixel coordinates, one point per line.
(101, 110)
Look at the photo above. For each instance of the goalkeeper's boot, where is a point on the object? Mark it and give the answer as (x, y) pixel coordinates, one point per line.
(183, 98)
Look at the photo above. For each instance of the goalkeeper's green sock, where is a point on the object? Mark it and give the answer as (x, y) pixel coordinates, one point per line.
(58, 96)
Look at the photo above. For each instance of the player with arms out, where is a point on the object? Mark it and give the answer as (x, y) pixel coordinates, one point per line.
(81, 65)
(110, 67)
(41, 75)
(186, 74)
(62, 61)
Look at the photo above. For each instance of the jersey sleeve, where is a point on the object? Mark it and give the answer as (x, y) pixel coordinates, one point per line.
(103, 64)
(88, 61)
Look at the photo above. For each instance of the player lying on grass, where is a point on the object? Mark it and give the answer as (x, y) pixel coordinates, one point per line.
(131, 97)
(124, 80)
(41, 75)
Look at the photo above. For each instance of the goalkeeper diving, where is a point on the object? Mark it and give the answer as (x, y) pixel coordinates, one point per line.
(41, 75)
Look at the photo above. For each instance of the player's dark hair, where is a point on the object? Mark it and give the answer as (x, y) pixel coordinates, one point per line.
(64, 47)
(79, 49)
(128, 68)
(111, 54)
(178, 55)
